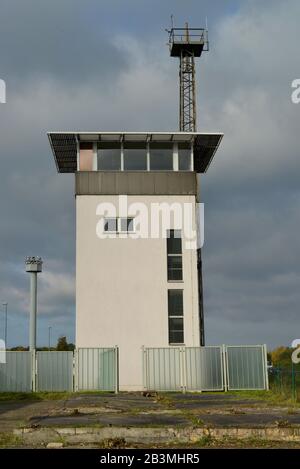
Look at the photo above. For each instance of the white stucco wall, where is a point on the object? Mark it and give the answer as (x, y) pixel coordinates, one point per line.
(122, 289)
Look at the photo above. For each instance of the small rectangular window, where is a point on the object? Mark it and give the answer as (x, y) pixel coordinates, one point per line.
(174, 254)
(117, 225)
(126, 224)
(175, 315)
(111, 224)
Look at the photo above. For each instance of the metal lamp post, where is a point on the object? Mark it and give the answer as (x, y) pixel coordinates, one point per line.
(33, 266)
(5, 323)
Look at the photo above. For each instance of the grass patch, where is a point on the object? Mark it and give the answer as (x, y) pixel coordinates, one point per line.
(33, 396)
(9, 440)
(272, 397)
(206, 441)
(44, 396)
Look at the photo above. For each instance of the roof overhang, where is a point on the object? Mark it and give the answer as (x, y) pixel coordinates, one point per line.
(65, 145)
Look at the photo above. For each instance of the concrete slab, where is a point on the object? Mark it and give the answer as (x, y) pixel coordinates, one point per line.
(251, 420)
(124, 403)
(201, 396)
(211, 403)
(169, 416)
(111, 420)
(124, 420)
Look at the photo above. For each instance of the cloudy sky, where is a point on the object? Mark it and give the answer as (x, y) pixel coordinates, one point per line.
(103, 65)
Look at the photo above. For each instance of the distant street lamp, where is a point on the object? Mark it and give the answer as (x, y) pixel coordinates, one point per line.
(5, 326)
(49, 337)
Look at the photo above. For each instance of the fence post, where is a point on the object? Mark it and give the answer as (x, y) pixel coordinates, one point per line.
(224, 367)
(144, 367)
(75, 367)
(33, 370)
(183, 369)
(116, 361)
(293, 383)
(266, 367)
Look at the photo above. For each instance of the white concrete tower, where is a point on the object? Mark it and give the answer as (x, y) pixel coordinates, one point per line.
(136, 252)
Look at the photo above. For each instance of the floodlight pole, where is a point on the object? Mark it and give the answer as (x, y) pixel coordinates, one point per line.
(33, 266)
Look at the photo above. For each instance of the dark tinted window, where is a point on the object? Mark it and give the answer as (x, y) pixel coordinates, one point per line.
(174, 267)
(135, 157)
(184, 157)
(110, 224)
(109, 156)
(174, 245)
(175, 313)
(175, 302)
(161, 156)
(176, 333)
(126, 224)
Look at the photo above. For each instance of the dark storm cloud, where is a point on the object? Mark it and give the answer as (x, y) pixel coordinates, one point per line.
(252, 192)
(94, 65)
(62, 39)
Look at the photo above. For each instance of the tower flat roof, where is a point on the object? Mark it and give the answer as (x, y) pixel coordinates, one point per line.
(64, 145)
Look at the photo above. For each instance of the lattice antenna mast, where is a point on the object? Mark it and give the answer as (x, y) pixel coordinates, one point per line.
(187, 43)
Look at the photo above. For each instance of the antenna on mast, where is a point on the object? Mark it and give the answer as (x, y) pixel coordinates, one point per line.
(172, 21)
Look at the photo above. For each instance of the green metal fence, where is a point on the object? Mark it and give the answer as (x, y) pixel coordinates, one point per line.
(246, 367)
(204, 366)
(285, 381)
(96, 369)
(54, 371)
(163, 368)
(16, 372)
(210, 368)
(85, 369)
(183, 369)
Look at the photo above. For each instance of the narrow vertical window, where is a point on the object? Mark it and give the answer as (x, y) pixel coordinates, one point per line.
(174, 253)
(175, 313)
(184, 156)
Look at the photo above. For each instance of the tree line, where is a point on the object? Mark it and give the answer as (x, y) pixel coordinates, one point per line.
(62, 346)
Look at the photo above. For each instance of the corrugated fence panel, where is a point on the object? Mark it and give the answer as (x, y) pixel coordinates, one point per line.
(163, 369)
(246, 367)
(15, 374)
(54, 371)
(204, 369)
(96, 369)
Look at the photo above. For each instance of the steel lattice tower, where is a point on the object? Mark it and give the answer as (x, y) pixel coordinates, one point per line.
(188, 43)
(187, 99)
